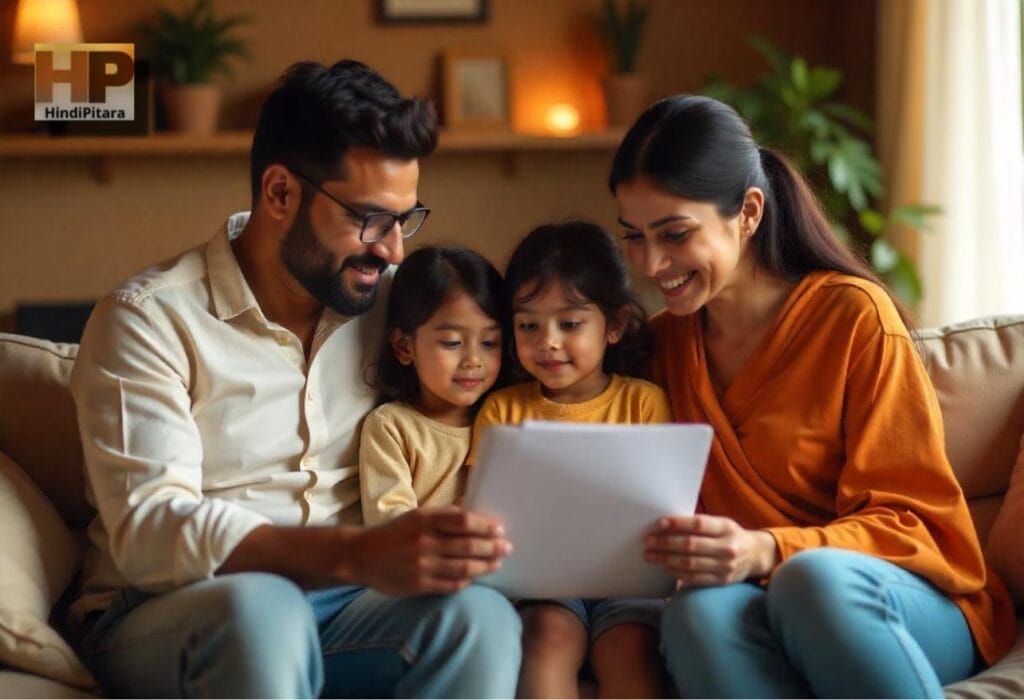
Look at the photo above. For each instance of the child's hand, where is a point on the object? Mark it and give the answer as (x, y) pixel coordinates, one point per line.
(429, 550)
(706, 550)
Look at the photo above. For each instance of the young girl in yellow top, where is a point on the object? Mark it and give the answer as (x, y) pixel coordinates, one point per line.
(442, 353)
(834, 555)
(579, 333)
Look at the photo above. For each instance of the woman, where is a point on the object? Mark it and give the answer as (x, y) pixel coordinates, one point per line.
(832, 553)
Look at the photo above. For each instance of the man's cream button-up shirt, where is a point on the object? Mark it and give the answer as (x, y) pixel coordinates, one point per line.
(195, 431)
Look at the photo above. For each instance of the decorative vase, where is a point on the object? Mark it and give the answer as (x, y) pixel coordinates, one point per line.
(192, 109)
(626, 95)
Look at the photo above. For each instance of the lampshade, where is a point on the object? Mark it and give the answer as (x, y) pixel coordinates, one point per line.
(44, 22)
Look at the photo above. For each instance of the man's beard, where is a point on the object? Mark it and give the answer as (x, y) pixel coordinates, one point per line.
(313, 266)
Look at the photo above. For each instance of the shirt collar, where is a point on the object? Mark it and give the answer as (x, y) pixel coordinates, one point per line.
(231, 293)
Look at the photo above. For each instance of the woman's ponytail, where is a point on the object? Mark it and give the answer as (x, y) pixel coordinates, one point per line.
(796, 237)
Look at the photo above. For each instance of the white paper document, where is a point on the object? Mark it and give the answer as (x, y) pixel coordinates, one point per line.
(577, 498)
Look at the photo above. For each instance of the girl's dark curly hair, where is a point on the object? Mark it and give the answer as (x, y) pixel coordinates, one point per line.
(422, 283)
(586, 261)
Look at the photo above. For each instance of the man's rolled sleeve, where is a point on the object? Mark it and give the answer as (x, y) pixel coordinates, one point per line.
(143, 451)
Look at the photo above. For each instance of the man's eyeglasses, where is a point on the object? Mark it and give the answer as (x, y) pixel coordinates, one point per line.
(377, 224)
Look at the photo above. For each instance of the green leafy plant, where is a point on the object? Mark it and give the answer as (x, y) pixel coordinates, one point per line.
(621, 32)
(792, 108)
(192, 46)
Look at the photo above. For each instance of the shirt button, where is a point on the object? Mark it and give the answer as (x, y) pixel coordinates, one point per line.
(307, 461)
(282, 338)
(310, 398)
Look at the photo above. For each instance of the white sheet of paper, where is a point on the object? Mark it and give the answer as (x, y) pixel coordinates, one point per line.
(576, 499)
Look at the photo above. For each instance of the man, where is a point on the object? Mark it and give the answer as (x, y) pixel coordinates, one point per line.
(219, 397)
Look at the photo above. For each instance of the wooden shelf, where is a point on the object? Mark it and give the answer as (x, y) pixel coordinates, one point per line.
(103, 149)
(510, 141)
(41, 146)
(239, 142)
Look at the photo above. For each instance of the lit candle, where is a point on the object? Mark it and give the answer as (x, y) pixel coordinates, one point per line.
(562, 119)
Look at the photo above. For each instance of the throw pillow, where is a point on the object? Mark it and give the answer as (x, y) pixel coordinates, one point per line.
(1004, 550)
(38, 559)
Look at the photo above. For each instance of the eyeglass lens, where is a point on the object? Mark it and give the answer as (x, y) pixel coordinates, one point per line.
(377, 225)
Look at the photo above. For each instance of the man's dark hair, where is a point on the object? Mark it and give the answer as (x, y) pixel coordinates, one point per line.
(316, 113)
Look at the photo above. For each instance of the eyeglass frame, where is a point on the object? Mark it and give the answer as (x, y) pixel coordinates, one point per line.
(364, 219)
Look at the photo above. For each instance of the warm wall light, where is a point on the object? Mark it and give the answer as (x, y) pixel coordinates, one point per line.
(562, 119)
(44, 22)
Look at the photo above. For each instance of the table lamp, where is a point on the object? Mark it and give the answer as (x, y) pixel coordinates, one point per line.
(43, 22)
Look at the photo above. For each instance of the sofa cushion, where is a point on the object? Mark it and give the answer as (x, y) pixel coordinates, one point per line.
(1004, 550)
(38, 428)
(977, 368)
(38, 559)
(1004, 679)
(14, 684)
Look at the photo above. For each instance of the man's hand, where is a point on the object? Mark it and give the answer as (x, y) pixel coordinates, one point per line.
(706, 550)
(428, 550)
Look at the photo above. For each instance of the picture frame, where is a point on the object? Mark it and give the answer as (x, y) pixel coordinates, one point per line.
(431, 11)
(475, 90)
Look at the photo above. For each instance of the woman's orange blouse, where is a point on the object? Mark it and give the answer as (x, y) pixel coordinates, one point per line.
(831, 436)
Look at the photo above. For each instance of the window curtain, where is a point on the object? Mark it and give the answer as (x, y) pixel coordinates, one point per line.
(949, 89)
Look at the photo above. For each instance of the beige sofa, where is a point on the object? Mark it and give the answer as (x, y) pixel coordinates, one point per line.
(977, 367)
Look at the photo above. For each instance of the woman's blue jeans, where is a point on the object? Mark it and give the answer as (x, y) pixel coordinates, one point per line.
(831, 623)
(259, 635)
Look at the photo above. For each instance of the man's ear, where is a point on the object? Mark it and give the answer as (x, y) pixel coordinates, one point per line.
(280, 191)
(401, 345)
(617, 325)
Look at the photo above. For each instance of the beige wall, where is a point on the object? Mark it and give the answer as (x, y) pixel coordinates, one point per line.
(66, 236)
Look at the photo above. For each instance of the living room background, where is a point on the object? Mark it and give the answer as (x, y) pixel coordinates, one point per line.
(67, 236)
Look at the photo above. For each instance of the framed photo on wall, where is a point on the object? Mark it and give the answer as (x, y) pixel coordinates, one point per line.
(431, 11)
(475, 90)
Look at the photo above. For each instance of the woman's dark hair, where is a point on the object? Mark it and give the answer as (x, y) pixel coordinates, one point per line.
(316, 113)
(423, 282)
(585, 260)
(701, 149)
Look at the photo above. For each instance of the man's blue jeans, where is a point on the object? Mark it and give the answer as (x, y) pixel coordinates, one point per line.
(831, 623)
(259, 635)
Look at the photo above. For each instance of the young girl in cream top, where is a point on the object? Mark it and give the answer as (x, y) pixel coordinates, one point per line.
(442, 353)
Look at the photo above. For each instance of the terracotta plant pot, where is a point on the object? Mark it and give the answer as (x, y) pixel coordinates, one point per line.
(626, 95)
(192, 109)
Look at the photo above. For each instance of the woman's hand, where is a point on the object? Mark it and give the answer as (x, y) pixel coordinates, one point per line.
(707, 550)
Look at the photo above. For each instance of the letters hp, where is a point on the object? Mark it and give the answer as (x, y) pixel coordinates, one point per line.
(85, 81)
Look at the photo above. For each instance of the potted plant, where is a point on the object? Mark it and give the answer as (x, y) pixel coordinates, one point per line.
(621, 31)
(792, 108)
(187, 50)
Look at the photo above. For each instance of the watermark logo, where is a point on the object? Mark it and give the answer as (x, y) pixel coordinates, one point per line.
(85, 82)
